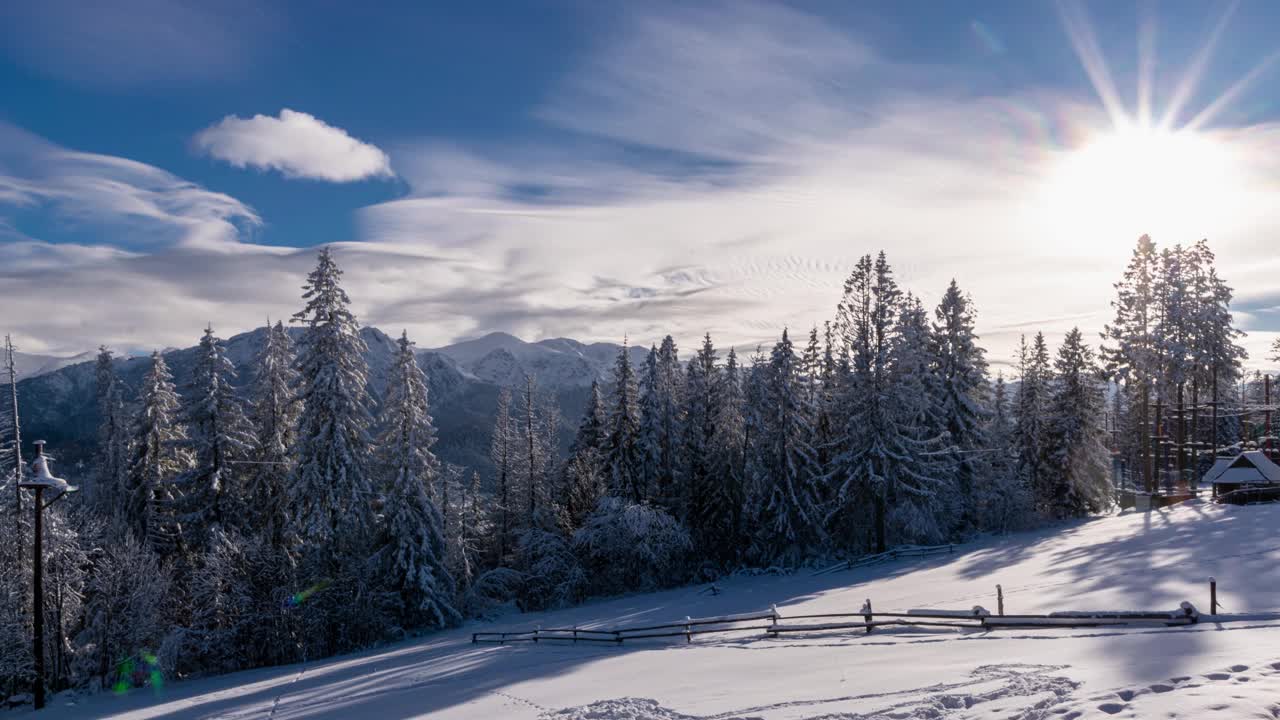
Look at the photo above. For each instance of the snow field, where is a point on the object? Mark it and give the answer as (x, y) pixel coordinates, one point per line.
(1134, 561)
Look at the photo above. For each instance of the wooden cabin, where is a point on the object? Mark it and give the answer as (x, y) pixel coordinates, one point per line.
(1248, 477)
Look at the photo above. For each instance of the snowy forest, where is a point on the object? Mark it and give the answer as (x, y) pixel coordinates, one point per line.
(248, 521)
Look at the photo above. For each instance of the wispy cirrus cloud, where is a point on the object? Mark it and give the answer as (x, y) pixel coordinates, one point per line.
(139, 205)
(727, 164)
(296, 144)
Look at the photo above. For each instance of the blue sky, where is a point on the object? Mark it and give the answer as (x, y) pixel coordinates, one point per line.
(598, 168)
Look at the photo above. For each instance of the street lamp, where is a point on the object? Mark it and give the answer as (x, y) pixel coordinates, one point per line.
(40, 481)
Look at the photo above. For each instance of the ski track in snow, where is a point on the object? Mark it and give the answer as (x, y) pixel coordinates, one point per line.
(1016, 692)
(1031, 689)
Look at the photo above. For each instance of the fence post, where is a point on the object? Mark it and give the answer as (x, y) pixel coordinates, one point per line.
(1000, 599)
(473, 638)
(617, 634)
(1213, 596)
(866, 613)
(537, 629)
(688, 638)
(575, 634)
(773, 625)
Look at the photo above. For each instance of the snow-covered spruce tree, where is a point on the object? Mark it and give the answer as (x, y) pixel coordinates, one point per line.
(791, 522)
(413, 541)
(924, 490)
(1031, 408)
(71, 536)
(622, 448)
(159, 458)
(668, 486)
(465, 535)
(1003, 503)
(583, 475)
(702, 387)
(212, 490)
(1216, 355)
(820, 373)
(961, 373)
(15, 608)
(649, 440)
(273, 413)
(224, 618)
(756, 484)
(886, 453)
(113, 438)
(1080, 464)
(331, 489)
(536, 429)
(504, 453)
(717, 509)
(1131, 355)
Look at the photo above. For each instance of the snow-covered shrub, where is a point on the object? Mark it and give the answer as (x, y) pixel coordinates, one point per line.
(628, 546)
(492, 591)
(552, 576)
(126, 603)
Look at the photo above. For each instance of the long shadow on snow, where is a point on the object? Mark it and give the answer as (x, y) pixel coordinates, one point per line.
(444, 671)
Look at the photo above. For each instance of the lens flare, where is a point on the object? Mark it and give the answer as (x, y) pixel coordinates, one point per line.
(296, 599)
(138, 670)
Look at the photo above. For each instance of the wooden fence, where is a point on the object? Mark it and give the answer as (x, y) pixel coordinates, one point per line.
(865, 619)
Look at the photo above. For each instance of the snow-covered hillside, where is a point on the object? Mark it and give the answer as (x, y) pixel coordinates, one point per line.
(1132, 561)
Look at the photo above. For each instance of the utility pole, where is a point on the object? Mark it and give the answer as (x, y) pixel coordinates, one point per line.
(11, 368)
(42, 479)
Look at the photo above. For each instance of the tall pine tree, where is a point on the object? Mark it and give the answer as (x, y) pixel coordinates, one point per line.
(623, 448)
(331, 489)
(220, 437)
(414, 534)
(159, 457)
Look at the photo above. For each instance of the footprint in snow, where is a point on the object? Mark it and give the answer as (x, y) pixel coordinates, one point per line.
(1111, 708)
(1239, 668)
(1218, 676)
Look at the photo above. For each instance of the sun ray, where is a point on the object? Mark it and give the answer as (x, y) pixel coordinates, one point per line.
(1080, 32)
(1206, 115)
(1146, 61)
(1187, 86)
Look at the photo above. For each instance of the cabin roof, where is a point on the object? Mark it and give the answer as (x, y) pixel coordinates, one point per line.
(1248, 468)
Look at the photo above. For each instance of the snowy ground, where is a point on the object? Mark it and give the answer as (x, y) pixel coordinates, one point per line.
(1132, 561)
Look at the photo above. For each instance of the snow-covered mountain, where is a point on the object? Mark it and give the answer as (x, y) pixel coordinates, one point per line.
(464, 379)
(558, 363)
(30, 365)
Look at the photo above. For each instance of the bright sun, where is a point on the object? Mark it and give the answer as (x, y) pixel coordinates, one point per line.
(1143, 180)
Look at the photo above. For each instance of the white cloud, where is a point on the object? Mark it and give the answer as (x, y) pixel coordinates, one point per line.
(296, 144)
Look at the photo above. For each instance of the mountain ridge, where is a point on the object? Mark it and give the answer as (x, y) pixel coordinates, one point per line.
(463, 379)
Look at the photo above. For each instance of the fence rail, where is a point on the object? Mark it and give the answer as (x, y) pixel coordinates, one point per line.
(866, 620)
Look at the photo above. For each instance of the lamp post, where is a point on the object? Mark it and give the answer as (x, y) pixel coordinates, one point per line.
(41, 479)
